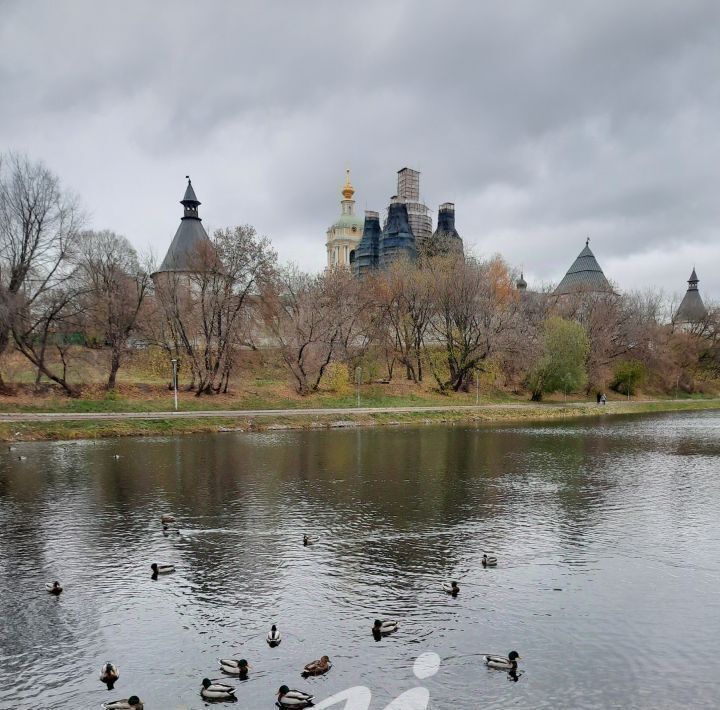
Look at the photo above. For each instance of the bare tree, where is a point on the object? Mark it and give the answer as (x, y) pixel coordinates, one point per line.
(475, 312)
(206, 307)
(618, 326)
(51, 325)
(298, 313)
(116, 287)
(352, 310)
(39, 223)
(404, 295)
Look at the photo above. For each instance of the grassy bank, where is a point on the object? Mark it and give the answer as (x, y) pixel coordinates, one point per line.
(497, 413)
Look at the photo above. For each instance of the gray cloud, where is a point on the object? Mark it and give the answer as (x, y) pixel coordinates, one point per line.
(544, 122)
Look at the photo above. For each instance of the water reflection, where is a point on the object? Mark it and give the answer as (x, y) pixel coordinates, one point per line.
(606, 534)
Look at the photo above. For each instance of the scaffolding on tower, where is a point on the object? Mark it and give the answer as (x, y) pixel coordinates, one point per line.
(419, 215)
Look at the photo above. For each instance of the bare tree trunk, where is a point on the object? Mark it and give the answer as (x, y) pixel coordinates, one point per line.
(390, 362)
(114, 367)
(4, 343)
(38, 374)
(62, 381)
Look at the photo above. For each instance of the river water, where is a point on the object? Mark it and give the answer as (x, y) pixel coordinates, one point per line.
(607, 533)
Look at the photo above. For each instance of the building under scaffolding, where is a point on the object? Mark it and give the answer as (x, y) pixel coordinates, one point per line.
(408, 192)
(407, 231)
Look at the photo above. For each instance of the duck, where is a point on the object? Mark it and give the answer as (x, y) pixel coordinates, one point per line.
(234, 667)
(293, 698)
(216, 691)
(451, 588)
(161, 569)
(22, 458)
(109, 675)
(131, 703)
(167, 518)
(116, 456)
(489, 561)
(54, 588)
(167, 530)
(501, 663)
(309, 540)
(273, 637)
(384, 627)
(318, 667)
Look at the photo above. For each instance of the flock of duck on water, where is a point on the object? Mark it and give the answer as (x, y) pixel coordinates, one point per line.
(286, 696)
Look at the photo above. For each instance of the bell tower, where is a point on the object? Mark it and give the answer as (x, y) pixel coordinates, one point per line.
(344, 236)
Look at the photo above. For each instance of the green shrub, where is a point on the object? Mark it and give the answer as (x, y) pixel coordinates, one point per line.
(628, 375)
(337, 378)
(561, 367)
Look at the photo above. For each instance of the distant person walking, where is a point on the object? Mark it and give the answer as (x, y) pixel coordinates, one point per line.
(603, 399)
(599, 397)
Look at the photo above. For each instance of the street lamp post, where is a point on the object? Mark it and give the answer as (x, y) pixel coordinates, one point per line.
(477, 388)
(358, 377)
(175, 382)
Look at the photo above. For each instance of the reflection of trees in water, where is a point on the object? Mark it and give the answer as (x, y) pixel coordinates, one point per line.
(388, 495)
(575, 463)
(36, 625)
(388, 503)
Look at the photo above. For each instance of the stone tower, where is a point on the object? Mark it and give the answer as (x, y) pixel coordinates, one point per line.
(191, 250)
(691, 309)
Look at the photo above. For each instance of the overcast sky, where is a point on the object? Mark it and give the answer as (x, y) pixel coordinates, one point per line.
(544, 121)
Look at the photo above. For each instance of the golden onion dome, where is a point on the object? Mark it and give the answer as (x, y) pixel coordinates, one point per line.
(348, 190)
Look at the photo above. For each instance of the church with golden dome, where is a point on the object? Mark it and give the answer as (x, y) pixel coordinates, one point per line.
(345, 234)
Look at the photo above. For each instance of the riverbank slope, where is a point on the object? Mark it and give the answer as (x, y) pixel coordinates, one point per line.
(35, 426)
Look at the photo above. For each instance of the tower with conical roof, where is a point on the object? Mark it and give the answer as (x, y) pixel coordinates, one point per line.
(344, 235)
(367, 253)
(445, 239)
(191, 249)
(584, 275)
(691, 309)
(397, 241)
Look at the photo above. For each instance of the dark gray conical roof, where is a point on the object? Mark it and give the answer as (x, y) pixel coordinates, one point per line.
(191, 244)
(190, 196)
(584, 275)
(692, 309)
(368, 250)
(445, 239)
(397, 239)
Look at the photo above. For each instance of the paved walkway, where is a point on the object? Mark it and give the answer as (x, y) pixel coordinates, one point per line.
(253, 413)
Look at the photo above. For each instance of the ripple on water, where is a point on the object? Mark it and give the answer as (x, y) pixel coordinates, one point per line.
(607, 536)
